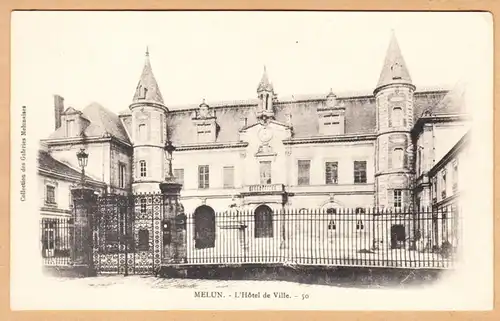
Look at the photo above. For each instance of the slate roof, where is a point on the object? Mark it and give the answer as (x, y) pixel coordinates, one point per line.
(102, 122)
(148, 81)
(394, 69)
(453, 102)
(47, 163)
(359, 115)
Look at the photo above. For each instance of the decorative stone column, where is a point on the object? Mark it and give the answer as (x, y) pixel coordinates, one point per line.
(174, 223)
(84, 208)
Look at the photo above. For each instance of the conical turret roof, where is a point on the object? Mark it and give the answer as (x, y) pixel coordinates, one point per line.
(394, 70)
(264, 84)
(147, 88)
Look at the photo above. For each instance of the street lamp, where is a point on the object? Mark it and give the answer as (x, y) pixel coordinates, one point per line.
(169, 149)
(83, 158)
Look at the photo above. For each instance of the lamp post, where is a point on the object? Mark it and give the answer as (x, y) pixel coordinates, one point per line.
(83, 158)
(169, 149)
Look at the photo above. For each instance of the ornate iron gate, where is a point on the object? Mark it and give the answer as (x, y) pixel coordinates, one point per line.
(126, 234)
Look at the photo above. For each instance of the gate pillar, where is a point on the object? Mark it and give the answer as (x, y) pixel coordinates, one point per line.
(174, 223)
(84, 208)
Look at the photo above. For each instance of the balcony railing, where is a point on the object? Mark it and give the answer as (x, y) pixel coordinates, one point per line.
(264, 188)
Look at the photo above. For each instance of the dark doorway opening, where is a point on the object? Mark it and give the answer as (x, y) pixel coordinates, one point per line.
(263, 221)
(204, 227)
(398, 236)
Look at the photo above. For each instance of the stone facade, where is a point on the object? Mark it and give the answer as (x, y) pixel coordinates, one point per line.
(343, 150)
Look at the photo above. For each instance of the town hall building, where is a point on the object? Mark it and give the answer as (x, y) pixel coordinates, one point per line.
(330, 151)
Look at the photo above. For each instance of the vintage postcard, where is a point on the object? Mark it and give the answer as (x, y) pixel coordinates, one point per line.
(251, 160)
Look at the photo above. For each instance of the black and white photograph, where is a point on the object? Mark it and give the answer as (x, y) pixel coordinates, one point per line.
(242, 160)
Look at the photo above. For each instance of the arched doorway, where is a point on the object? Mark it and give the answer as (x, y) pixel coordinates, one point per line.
(204, 227)
(263, 221)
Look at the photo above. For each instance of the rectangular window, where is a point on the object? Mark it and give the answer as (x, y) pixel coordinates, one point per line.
(179, 175)
(50, 194)
(397, 198)
(121, 175)
(143, 168)
(142, 132)
(304, 170)
(397, 158)
(203, 176)
(455, 176)
(434, 190)
(443, 185)
(70, 127)
(265, 173)
(359, 171)
(331, 173)
(228, 176)
(397, 117)
(143, 206)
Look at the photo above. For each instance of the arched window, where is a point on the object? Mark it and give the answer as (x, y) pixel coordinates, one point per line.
(397, 158)
(397, 117)
(332, 225)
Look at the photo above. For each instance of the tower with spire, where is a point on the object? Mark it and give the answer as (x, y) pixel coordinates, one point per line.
(148, 132)
(394, 119)
(265, 93)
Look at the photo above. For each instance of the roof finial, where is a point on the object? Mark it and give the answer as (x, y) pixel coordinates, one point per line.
(147, 51)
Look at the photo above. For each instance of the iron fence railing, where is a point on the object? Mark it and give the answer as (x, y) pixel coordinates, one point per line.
(344, 237)
(131, 235)
(56, 240)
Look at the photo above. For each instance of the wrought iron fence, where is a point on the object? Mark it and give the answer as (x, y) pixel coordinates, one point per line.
(341, 237)
(126, 234)
(56, 240)
(130, 235)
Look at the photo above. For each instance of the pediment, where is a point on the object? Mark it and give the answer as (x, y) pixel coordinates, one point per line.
(70, 111)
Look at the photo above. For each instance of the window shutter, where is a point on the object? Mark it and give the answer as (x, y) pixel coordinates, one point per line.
(389, 158)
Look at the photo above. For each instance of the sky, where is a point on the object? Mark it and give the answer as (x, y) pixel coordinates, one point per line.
(98, 56)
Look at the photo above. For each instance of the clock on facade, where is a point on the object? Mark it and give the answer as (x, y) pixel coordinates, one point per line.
(265, 134)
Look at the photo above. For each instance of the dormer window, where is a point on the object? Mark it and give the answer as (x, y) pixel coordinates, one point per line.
(70, 127)
(142, 92)
(331, 118)
(204, 132)
(396, 70)
(205, 121)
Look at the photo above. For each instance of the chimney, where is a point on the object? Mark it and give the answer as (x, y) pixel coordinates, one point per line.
(58, 109)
